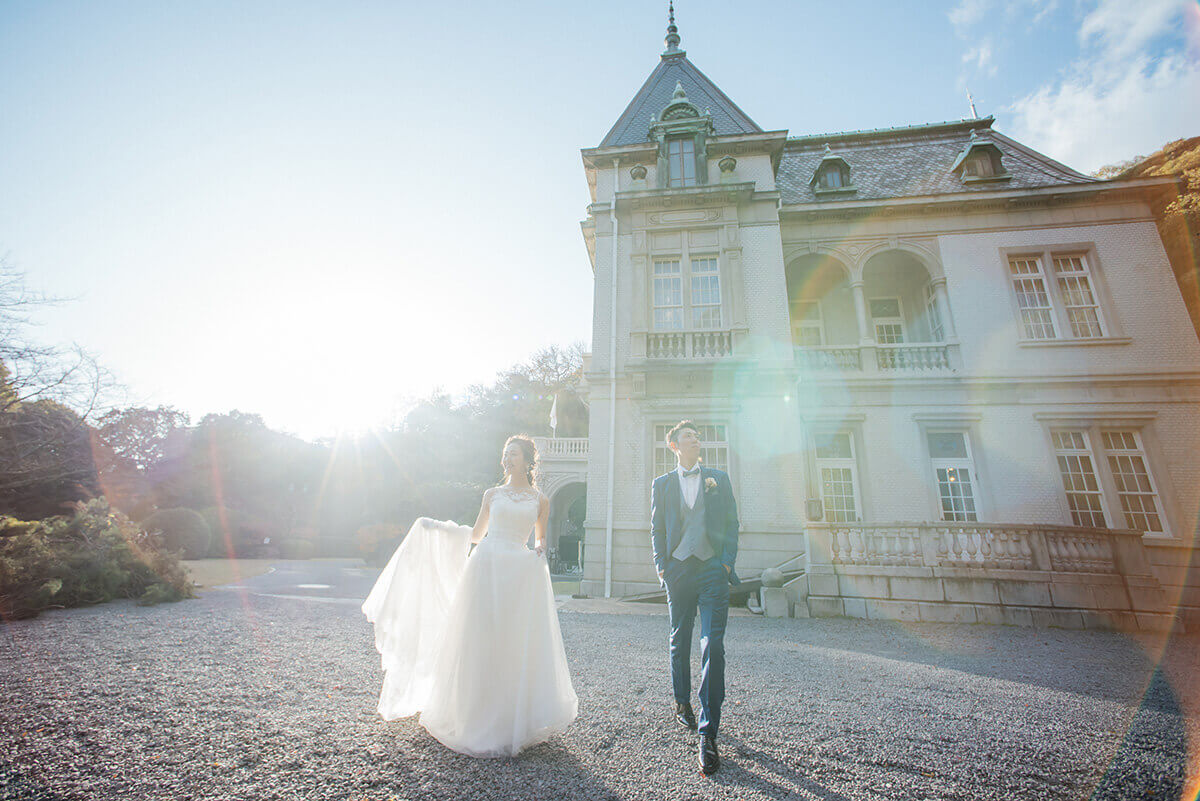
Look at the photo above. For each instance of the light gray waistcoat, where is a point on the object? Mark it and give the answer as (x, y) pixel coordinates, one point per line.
(694, 541)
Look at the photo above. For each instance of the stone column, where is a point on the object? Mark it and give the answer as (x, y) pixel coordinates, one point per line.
(865, 335)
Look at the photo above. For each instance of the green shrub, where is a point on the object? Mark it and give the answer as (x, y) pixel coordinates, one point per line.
(182, 530)
(91, 556)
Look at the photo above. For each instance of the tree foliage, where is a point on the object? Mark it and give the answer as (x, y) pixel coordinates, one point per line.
(93, 555)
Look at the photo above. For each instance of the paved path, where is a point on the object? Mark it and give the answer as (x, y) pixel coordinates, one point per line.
(267, 690)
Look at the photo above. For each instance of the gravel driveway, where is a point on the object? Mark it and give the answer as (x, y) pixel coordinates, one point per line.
(261, 692)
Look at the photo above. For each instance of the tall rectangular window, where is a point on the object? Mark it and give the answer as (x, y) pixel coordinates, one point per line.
(954, 473)
(668, 295)
(937, 331)
(681, 154)
(838, 473)
(714, 447)
(1033, 300)
(1135, 487)
(706, 292)
(808, 329)
(888, 320)
(1079, 300)
(1085, 499)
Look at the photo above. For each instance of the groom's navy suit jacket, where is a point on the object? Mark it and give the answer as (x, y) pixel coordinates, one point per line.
(720, 518)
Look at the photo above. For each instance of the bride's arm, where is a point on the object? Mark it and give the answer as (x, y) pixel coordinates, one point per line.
(481, 522)
(539, 528)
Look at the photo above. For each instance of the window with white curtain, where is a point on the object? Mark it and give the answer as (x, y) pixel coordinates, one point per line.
(954, 473)
(837, 472)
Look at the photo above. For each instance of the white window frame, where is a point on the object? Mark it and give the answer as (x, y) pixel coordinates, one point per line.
(687, 286)
(955, 463)
(1138, 452)
(1084, 275)
(1157, 469)
(665, 279)
(897, 321)
(1048, 258)
(1061, 452)
(710, 451)
(838, 463)
(694, 290)
(807, 322)
(1039, 277)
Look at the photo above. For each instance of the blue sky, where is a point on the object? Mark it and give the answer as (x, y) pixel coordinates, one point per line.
(319, 211)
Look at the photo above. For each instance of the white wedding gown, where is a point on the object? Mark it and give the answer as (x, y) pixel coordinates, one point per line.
(473, 643)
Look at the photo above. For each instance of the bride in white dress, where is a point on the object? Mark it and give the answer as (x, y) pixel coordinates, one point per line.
(472, 643)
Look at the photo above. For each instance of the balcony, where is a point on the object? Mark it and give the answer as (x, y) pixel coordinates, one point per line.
(887, 316)
(685, 345)
(566, 448)
(909, 358)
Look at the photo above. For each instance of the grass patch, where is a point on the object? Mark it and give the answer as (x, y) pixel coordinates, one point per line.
(215, 572)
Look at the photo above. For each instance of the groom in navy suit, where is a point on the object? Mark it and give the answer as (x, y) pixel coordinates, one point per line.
(693, 535)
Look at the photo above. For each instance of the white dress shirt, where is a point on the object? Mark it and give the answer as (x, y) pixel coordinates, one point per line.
(690, 485)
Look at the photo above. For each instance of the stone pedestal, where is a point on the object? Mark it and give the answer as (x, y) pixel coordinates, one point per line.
(774, 601)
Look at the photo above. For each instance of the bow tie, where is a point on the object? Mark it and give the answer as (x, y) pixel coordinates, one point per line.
(692, 472)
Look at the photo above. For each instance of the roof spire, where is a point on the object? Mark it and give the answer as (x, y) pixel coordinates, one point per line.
(672, 39)
(971, 100)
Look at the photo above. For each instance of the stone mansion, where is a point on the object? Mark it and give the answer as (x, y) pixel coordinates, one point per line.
(919, 352)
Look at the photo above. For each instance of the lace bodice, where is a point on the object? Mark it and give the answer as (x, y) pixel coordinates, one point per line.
(511, 516)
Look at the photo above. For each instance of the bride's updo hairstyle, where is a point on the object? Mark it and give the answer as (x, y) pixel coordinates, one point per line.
(528, 450)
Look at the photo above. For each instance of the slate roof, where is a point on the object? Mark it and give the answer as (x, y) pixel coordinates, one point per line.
(633, 126)
(913, 162)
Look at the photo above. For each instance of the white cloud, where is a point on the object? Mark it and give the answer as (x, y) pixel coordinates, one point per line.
(1091, 120)
(1119, 29)
(980, 56)
(966, 14)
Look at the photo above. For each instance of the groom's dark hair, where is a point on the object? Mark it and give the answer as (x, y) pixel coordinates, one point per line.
(673, 434)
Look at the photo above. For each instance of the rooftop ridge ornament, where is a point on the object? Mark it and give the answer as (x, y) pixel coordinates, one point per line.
(672, 39)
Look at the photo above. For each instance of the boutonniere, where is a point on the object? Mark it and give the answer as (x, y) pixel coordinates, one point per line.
(710, 484)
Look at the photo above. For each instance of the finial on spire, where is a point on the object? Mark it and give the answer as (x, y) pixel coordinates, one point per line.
(672, 32)
(971, 100)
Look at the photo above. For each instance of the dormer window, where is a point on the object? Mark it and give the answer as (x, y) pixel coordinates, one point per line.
(832, 175)
(681, 161)
(979, 165)
(682, 133)
(980, 161)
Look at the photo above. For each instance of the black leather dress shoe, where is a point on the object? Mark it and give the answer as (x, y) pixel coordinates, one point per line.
(708, 759)
(685, 716)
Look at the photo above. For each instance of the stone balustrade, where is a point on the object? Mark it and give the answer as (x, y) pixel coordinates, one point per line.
(561, 447)
(1065, 549)
(915, 357)
(687, 344)
(829, 358)
(1021, 574)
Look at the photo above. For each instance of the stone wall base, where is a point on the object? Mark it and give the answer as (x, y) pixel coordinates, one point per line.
(995, 614)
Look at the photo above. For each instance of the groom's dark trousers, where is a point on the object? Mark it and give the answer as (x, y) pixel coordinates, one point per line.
(694, 585)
